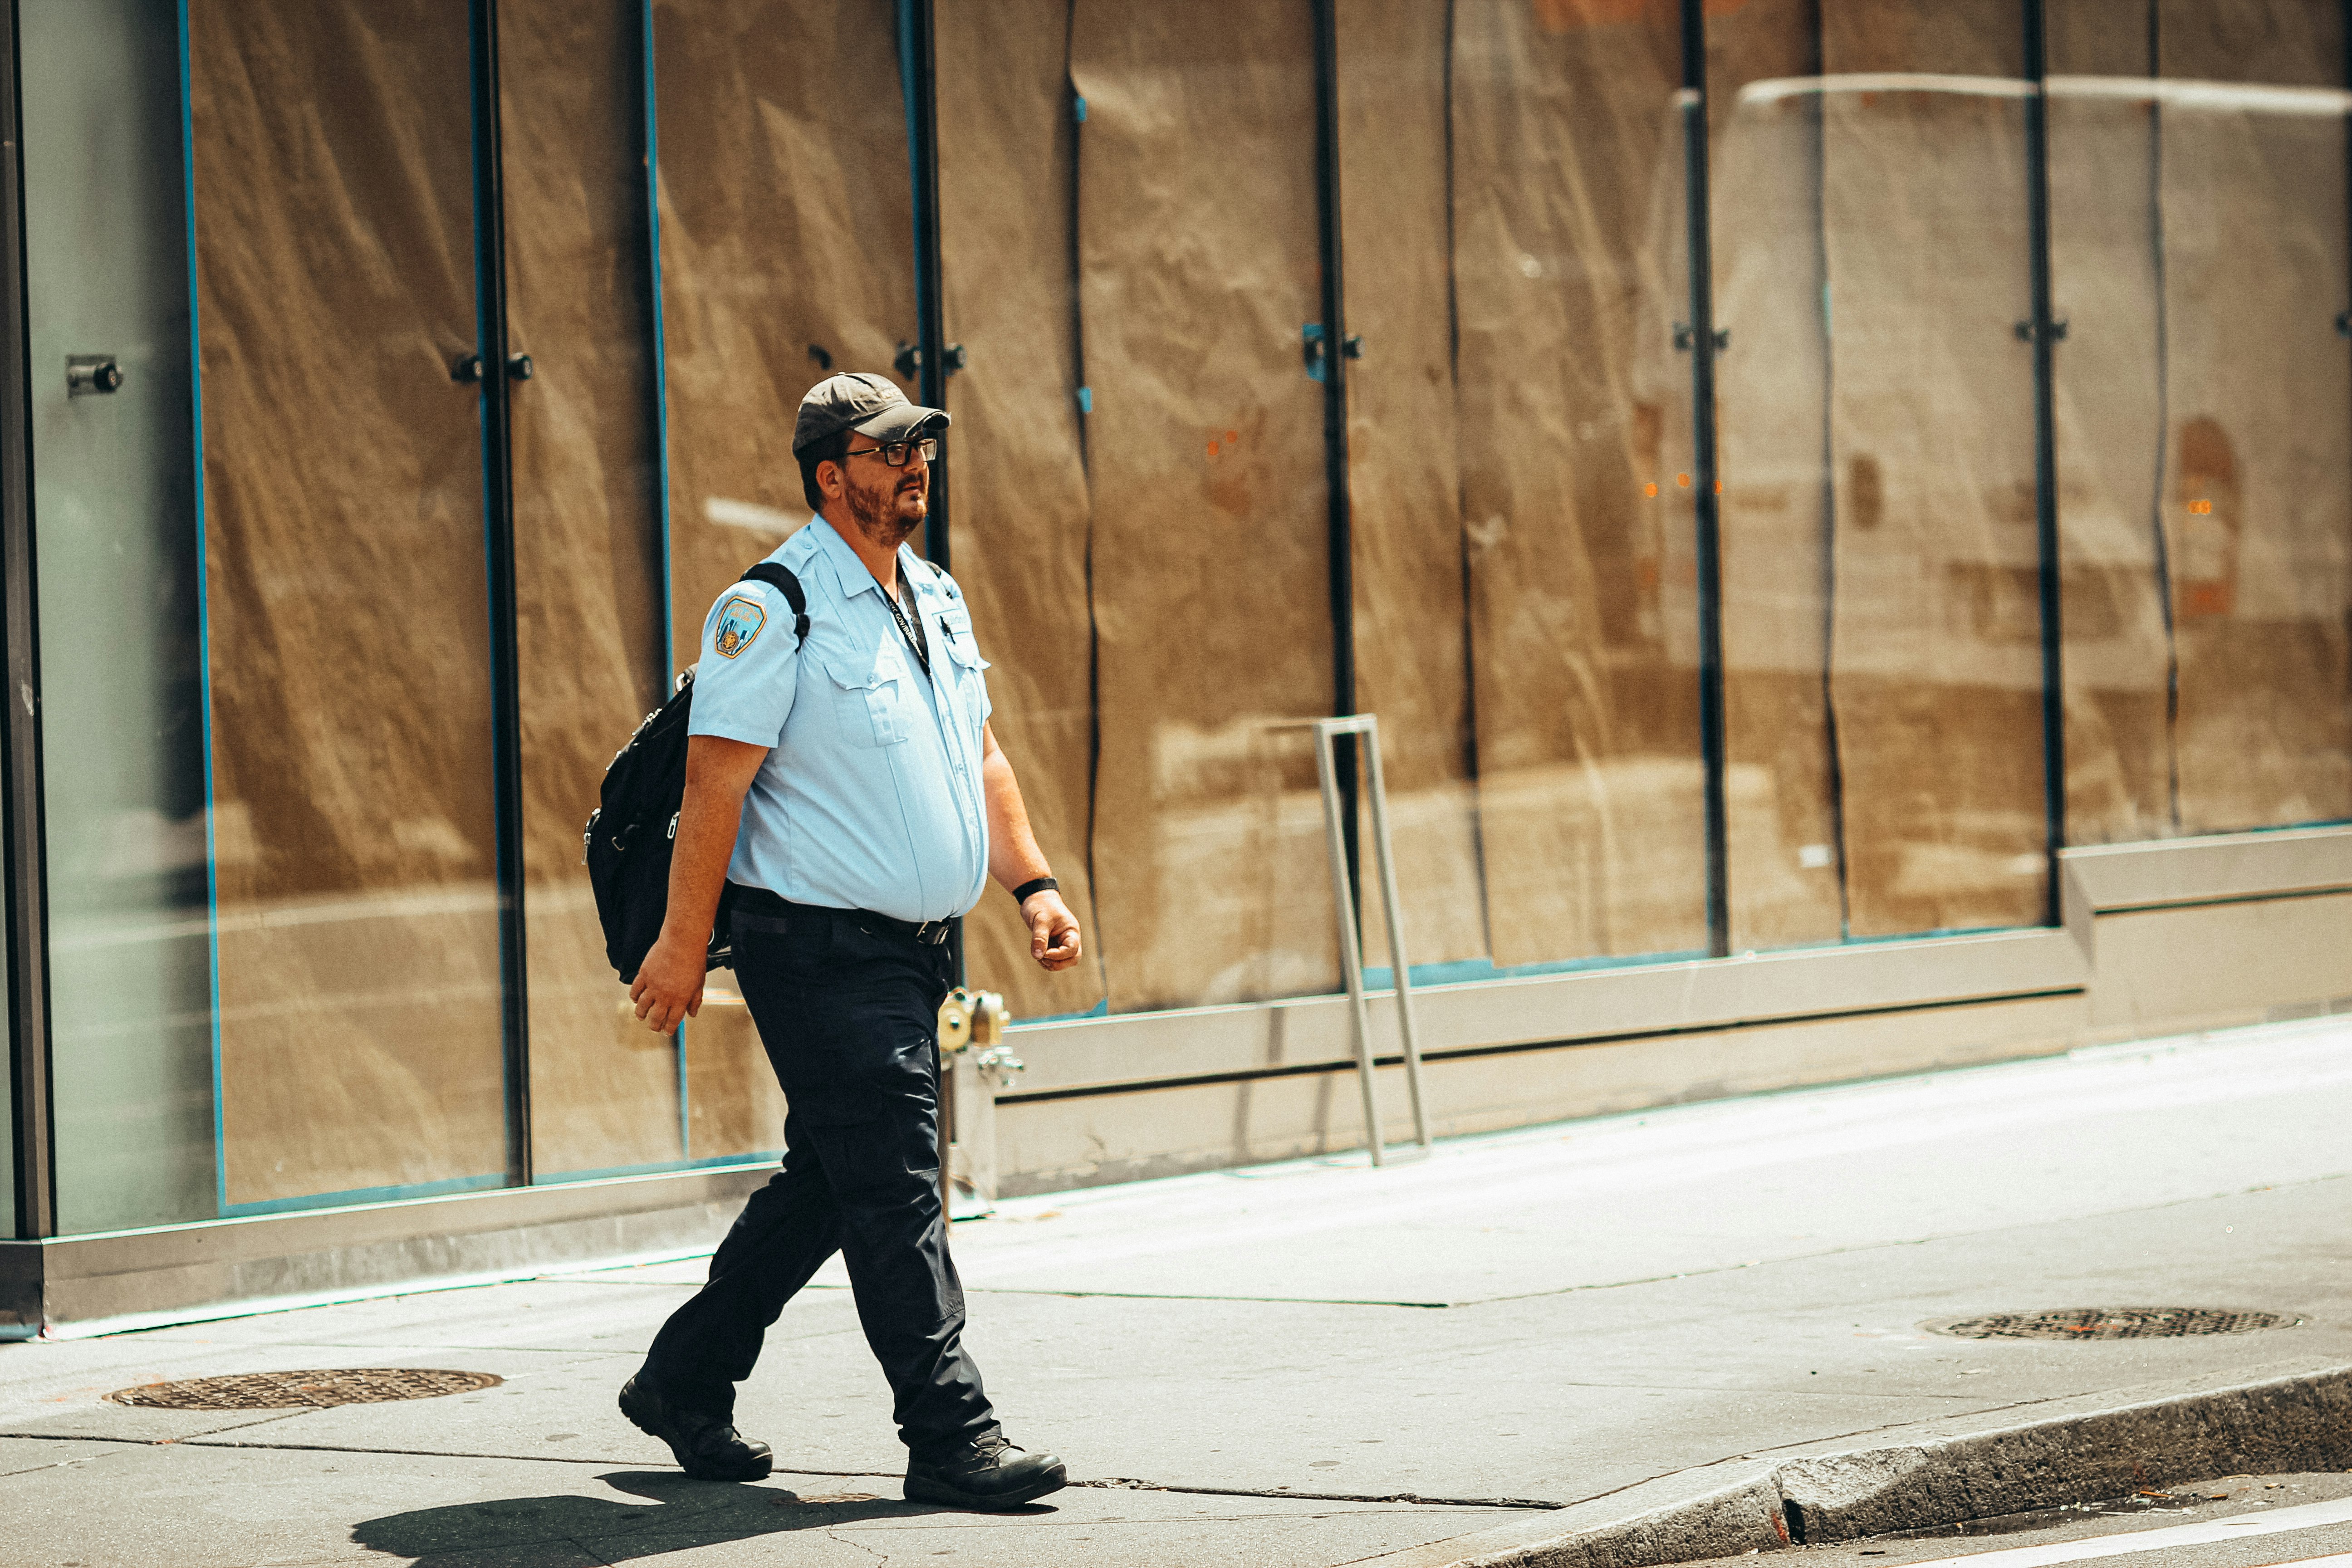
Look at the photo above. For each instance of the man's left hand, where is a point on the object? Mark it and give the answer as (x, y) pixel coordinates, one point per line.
(1053, 930)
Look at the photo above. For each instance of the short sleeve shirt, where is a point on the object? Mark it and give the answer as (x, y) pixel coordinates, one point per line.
(870, 796)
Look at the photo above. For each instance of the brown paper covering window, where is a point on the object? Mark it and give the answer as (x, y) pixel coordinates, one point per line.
(587, 546)
(786, 251)
(1772, 428)
(1881, 623)
(2208, 575)
(1405, 469)
(1023, 516)
(1196, 267)
(1577, 478)
(360, 1033)
(1150, 579)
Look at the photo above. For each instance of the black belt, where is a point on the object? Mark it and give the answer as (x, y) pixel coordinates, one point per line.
(761, 902)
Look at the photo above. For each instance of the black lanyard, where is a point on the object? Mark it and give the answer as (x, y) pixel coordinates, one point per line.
(915, 639)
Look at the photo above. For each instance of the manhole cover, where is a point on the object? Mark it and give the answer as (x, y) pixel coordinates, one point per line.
(2112, 1324)
(298, 1390)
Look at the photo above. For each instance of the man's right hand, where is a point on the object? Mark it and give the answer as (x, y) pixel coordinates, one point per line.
(668, 986)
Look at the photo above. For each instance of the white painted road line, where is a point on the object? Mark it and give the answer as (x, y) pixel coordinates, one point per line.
(2308, 1515)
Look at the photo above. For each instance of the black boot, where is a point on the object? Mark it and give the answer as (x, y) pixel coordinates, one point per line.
(986, 1473)
(707, 1446)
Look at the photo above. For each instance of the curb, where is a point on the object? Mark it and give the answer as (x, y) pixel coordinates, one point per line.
(2299, 1423)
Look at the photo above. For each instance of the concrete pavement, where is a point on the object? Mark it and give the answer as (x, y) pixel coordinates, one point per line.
(1555, 1315)
(2217, 1522)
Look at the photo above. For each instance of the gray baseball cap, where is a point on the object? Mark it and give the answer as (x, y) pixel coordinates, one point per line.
(868, 404)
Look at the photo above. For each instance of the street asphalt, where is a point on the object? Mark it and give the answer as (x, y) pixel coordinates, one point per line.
(1311, 1363)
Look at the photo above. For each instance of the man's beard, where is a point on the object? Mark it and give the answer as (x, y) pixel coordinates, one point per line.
(876, 513)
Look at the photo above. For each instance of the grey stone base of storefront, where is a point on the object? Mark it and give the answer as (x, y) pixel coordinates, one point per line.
(2158, 938)
(2099, 1450)
(2165, 938)
(97, 1284)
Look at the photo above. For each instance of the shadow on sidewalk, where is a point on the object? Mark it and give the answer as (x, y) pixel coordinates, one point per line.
(562, 1531)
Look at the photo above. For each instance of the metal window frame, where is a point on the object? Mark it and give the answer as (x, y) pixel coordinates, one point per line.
(1340, 513)
(26, 850)
(649, 146)
(499, 547)
(1713, 720)
(1707, 512)
(2045, 453)
(918, 82)
(918, 86)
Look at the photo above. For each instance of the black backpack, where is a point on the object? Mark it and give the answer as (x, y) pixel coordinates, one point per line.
(631, 833)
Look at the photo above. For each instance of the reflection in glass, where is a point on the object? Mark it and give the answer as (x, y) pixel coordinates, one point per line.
(1570, 268)
(1022, 516)
(1405, 469)
(123, 754)
(2107, 277)
(1882, 575)
(345, 600)
(1772, 430)
(2199, 245)
(1197, 264)
(736, 1109)
(588, 568)
(786, 252)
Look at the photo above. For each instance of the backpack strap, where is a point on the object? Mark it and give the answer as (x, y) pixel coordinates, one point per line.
(779, 576)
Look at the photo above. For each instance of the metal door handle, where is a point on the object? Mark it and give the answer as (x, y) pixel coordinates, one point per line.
(88, 374)
(468, 368)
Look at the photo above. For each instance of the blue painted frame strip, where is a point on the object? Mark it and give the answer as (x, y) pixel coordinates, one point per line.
(756, 1159)
(661, 466)
(441, 1189)
(492, 1181)
(203, 620)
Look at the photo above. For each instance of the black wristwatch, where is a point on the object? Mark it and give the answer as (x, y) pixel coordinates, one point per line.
(1021, 894)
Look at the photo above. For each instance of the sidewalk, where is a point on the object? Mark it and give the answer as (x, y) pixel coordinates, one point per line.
(1274, 1357)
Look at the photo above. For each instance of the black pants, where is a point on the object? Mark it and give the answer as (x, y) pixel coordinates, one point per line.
(849, 1017)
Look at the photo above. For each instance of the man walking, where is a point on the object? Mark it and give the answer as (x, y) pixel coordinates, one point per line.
(848, 788)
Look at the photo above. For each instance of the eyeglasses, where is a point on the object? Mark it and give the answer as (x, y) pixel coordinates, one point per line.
(895, 453)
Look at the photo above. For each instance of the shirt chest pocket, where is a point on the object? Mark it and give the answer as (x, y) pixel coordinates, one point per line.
(963, 649)
(869, 704)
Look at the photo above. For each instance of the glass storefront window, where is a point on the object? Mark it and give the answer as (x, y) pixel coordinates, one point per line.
(124, 748)
(1022, 516)
(2199, 247)
(1881, 623)
(1783, 837)
(1570, 263)
(786, 219)
(265, 631)
(1405, 466)
(359, 997)
(1196, 258)
(604, 1090)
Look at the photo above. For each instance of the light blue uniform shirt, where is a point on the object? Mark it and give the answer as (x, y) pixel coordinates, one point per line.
(870, 796)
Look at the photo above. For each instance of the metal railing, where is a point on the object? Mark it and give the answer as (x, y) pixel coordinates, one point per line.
(1328, 734)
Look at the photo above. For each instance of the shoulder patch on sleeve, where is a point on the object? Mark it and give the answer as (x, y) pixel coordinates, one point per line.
(740, 620)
